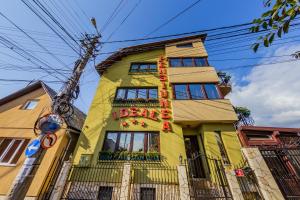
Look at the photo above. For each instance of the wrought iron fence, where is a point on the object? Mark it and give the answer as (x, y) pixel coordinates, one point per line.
(284, 165)
(207, 179)
(101, 181)
(248, 183)
(154, 183)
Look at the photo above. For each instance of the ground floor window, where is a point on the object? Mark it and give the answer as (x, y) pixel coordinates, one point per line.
(105, 193)
(11, 149)
(148, 193)
(131, 142)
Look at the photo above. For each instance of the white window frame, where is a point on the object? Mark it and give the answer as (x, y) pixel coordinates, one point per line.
(28, 102)
(8, 148)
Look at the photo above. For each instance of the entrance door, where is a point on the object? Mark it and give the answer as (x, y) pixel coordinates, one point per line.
(194, 158)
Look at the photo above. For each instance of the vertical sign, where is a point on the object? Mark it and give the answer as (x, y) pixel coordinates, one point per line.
(164, 95)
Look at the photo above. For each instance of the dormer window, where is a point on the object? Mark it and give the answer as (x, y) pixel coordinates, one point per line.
(185, 45)
(30, 104)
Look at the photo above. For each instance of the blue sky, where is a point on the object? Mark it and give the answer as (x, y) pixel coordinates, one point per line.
(148, 15)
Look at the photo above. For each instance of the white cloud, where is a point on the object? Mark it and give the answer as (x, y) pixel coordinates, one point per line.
(272, 92)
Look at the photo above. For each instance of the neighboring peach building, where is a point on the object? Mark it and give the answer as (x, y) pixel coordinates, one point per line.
(18, 114)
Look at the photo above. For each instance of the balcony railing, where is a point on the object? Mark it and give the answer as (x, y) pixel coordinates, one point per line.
(135, 102)
(129, 156)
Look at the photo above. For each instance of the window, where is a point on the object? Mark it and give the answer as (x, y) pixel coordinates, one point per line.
(30, 104)
(136, 94)
(259, 136)
(188, 62)
(196, 91)
(147, 193)
(143, 67)
(11, 149)
(211, 91)
(185, 45)
(105, 193)
(222, 147)
(131, 142)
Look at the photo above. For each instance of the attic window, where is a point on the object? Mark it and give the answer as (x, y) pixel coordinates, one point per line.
(30, 104)
(259, 136)
(185, 45)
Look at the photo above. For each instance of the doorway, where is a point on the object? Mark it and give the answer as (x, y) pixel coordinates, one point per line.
(194, 157)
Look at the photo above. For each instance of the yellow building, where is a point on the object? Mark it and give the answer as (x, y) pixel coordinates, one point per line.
(18, 114)
(158, 106)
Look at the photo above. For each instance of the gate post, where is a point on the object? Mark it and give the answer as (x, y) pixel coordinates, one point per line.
(184, 190)
(267, 184)
(61, 181)
(125, 186)
(233, 185)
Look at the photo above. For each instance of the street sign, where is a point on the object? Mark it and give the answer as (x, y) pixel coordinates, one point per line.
(48, 140)
(33, 148)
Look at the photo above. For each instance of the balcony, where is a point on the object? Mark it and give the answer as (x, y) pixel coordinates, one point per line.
(129, 156)
(195, 112)
(224, 83)
(192, 74)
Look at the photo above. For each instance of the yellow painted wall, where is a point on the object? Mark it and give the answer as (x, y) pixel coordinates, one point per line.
(193, 74)
(19, 124)
(99, 118)
(198, 50)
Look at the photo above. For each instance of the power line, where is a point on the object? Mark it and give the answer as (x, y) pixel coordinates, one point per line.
(27, 81)
(125, 18)
(174, 17)
(35, 41)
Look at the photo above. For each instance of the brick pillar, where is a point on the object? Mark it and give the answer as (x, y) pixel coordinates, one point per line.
(234, 185)
(125, 186)
(183, 183)
(61, 181)
(266, 182)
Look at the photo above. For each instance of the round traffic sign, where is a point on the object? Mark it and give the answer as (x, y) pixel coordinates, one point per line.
(48, 140)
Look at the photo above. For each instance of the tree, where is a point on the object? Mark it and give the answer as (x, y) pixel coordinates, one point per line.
(275, 21)
(244, 117)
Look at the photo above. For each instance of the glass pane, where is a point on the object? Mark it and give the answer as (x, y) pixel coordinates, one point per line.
(196, 92)
(142, 93)
(211, 91)
(11, 151)
(175, 62)
(138, 142)
(124, 144)
(19, 153)
(3, 145)
(134, 68)
(153, 141)
(110, 142)
(131, 93)
(187, 62)
(200, 62)
(144, 67)
(30, 104)
(120, 94)
(152, 93)
(181, 92)
(153, 67)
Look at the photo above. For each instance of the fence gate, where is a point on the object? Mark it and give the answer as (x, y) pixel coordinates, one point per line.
(284, 165)
(203, 187)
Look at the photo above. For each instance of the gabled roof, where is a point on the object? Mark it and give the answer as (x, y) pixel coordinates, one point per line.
(76, 121)
(118, 55)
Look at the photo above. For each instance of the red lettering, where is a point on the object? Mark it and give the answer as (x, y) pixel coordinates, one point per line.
(123, 112)
(115, 115)
(162, 71)
(164, 86)
(133, 112)
(164, 103)
(144, 113)
(165, 114)
(163, 78)
(164, 94)
(153, 115)
(166, 126)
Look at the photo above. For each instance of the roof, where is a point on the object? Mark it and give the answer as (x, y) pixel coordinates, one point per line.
(118, 55)
(265, 128)
(76, 121)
